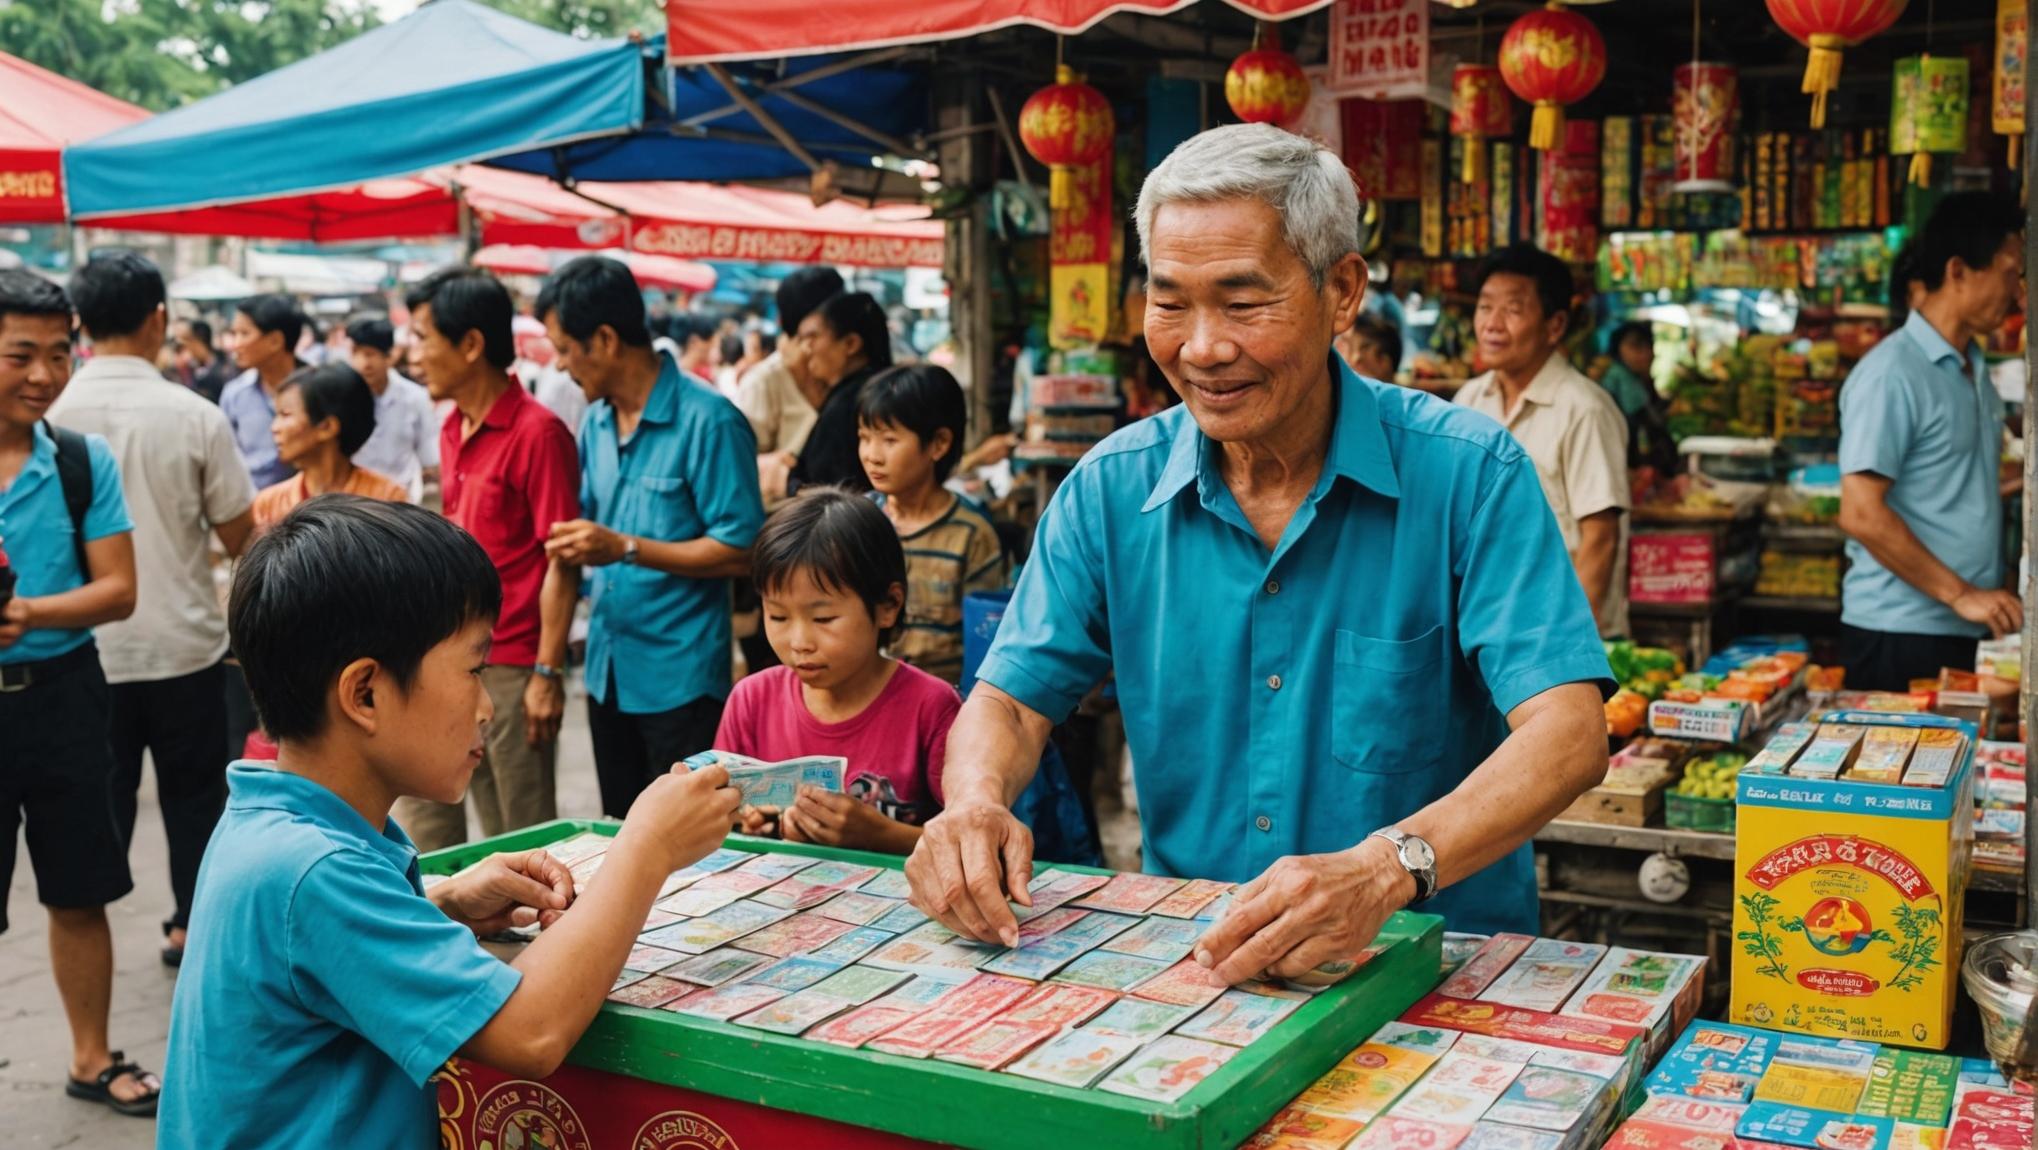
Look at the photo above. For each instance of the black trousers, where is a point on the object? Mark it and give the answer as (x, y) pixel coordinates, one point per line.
(632, 750)
(1889, 660)
(182, 723)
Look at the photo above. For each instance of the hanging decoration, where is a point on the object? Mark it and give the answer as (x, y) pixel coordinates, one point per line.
(1928, 111)
(1702, 99)
(2012, 48)
(1480, 111)
(1066, 125)
(1828, 27)
(1266, 86)
(1551, 58)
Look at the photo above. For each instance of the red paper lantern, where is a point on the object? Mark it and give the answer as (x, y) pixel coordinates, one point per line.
(1552, 58)
(1066, 125)
(1266, 86)
(1480, 111)
(1702, 103)
(1827, 27)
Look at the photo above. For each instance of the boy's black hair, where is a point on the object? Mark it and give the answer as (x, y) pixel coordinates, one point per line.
(1551, 275)
(732, 349)
(1382, 333)
(373, 332)
(200, 331)
(336, 391)
(842, 540)
(23, 292)
(923, 399)
(684, 327)
(1632, 329)
(115, 293)
(587, 292)
(1969, 227)
(275, 313)
(857, 313)
(803, 291)
(465, 299)
(344, 578)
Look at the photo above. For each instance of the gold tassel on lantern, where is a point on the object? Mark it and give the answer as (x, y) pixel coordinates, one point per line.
(1822, 74)
(1546, 127)
(1473, 167)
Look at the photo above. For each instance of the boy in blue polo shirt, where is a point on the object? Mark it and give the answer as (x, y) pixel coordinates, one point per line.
(322, 986)
(56, 767)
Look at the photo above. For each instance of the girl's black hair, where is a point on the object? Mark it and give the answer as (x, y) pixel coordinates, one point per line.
(842, 541)
(856, 313)
(336, 391)
(923, 399)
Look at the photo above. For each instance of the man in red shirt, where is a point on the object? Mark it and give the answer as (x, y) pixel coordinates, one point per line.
(509, 471)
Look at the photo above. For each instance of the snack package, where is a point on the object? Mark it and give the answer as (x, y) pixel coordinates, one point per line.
(1884, 751)
(1831, 751)
(1784, 746)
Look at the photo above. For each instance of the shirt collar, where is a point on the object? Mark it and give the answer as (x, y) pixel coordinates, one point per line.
(662, 406)
(254, 786)
(1358, 444)
(1937, 346)
(503, 413)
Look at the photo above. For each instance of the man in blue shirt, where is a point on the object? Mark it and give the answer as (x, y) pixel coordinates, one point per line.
(1354, 662)
(56, 766)
(669, 486)
(265, 333)
(1921, 434)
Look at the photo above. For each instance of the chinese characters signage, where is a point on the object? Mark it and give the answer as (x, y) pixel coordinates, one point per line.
(1379, 49)
(1079, 255)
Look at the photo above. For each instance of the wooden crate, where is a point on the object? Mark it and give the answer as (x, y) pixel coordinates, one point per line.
(958, 1105)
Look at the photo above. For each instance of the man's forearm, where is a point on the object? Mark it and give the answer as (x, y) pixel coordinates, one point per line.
(702, 558)
(993, 748)
(1890, 540)
(556, 598)
(1556, 753)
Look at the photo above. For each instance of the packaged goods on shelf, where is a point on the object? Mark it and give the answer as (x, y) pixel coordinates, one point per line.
(1999, 807)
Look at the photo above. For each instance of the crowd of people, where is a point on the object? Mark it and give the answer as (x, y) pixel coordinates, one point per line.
(125, 489)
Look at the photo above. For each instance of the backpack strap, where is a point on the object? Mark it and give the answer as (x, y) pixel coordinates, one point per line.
(74, 474)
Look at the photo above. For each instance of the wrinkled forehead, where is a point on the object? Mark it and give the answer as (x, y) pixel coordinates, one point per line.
(1239, 242)
(34, 332)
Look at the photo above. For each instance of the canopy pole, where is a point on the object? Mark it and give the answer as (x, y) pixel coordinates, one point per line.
(764, 119)
(897, 146)
(1005, 136)
(826, 71)
(966, 256)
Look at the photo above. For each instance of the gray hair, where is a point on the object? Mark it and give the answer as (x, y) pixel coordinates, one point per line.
(1305, 183)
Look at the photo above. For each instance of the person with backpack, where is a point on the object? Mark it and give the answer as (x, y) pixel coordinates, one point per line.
(64, 524)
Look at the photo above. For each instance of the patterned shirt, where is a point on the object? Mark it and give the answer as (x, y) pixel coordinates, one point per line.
(945, 561)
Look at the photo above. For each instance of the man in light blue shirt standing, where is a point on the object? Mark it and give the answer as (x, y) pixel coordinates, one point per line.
(1355, 665)
(669, 487)
(1921, 433)
(405, 445)
(265, 333)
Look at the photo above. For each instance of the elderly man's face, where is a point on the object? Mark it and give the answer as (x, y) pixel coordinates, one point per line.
(1233, 319)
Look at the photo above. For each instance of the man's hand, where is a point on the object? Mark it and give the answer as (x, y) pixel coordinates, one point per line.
(544, 706)
(14, 622)
(583, 543)
(831, 818)
(761, 822)
(1999, 611)
(1306, 910)
(970, 859)
(681, 816)
(506, 890)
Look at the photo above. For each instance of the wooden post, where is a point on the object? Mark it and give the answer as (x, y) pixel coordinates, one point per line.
(965, 159)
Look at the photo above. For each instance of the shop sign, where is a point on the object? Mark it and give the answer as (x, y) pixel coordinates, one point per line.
(1079, 257)
(1379, 49)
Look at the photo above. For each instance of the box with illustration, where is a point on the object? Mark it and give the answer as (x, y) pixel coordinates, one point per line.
(1848, 891)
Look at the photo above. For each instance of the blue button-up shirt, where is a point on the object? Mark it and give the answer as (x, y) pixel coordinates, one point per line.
(1919, 413)
(41, 545)
(320, 989)
(688, 470)
(1293, 701)
(250, 410)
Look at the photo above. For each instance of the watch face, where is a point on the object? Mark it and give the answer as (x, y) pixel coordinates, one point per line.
(1416, 853)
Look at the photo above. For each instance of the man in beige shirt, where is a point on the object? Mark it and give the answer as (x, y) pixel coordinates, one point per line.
(777, 396)
(184, 482)
(1567, 423)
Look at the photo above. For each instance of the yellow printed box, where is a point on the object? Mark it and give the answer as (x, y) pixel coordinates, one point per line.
(1848, 898)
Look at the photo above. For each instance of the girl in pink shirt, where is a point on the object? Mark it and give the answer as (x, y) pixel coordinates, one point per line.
(832, 575)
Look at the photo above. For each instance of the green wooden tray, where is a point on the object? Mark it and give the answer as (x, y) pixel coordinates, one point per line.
(942, 1102)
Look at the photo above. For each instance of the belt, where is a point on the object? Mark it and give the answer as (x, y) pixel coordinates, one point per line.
(18, 677)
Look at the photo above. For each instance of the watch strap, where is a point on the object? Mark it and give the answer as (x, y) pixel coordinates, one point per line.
(1425, 877)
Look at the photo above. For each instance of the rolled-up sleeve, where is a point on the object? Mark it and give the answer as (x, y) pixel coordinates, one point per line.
(1522, 617)
(1053, 644)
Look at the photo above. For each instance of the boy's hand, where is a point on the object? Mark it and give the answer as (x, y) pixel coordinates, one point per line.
(759, 821)
(506, 890)
(683, 814)
(14, 622)
(830, 818)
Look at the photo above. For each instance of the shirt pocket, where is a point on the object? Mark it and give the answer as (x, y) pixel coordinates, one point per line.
(1389, 702)
(497, 504)
(664, 509)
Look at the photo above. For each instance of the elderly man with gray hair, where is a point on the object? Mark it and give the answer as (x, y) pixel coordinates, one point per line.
(1355, 666)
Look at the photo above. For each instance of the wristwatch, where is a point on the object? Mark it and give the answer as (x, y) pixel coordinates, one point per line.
(547, 671)
(630, 550)
(1416, 858)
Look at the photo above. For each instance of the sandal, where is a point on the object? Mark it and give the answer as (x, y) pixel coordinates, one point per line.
(100, 1089)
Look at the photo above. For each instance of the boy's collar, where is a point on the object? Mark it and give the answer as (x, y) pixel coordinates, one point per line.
(265, 786)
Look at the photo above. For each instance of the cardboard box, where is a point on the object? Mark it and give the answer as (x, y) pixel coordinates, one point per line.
(1631, 795)
(1848, 897)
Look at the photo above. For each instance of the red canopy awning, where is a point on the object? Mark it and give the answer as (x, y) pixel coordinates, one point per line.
(651, 271)
(703, 30)
(699, 221)
(410, 208)
(41, 113)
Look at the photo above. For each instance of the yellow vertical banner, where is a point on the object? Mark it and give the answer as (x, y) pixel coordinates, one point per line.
(1079, 257)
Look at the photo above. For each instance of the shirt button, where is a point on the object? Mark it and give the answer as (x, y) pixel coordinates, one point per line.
(1264, 823)
(1273, 682)
(1273, 586)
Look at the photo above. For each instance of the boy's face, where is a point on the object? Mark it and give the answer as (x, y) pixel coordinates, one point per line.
(895, 459)
(825, 634)
(35, 364)
(428, 739)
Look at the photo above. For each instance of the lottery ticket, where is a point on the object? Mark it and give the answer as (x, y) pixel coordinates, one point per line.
(1167, 1069)
(1496, 1136)
(1550, 1099)
(1390, 1132)
(718, 966)
(699, 935)
(857, 985)
(1059, 1004)
(852, 945)
(1165, 939)
(882, 1015)
(1130, 893)
(792, 974)
(658, 918)
(994, 1043)
(816, 884)
(776, 866)
(901, 918)
(796, 935)
(652, 991)
(1545, 975)
(857, 908)
(1479, 971)
(929, 946)
(1138, 1018)
(1296, 1128)
(1190, 898)
(887, 883)
(627, 976)
(958, 1011)
(1185, 984)
(651, 958)
(723, 1003)
(1077, 1058)
(586, 844)
(1119, 972)
(714, 892)
(1238, 1018)
(795, 1013)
